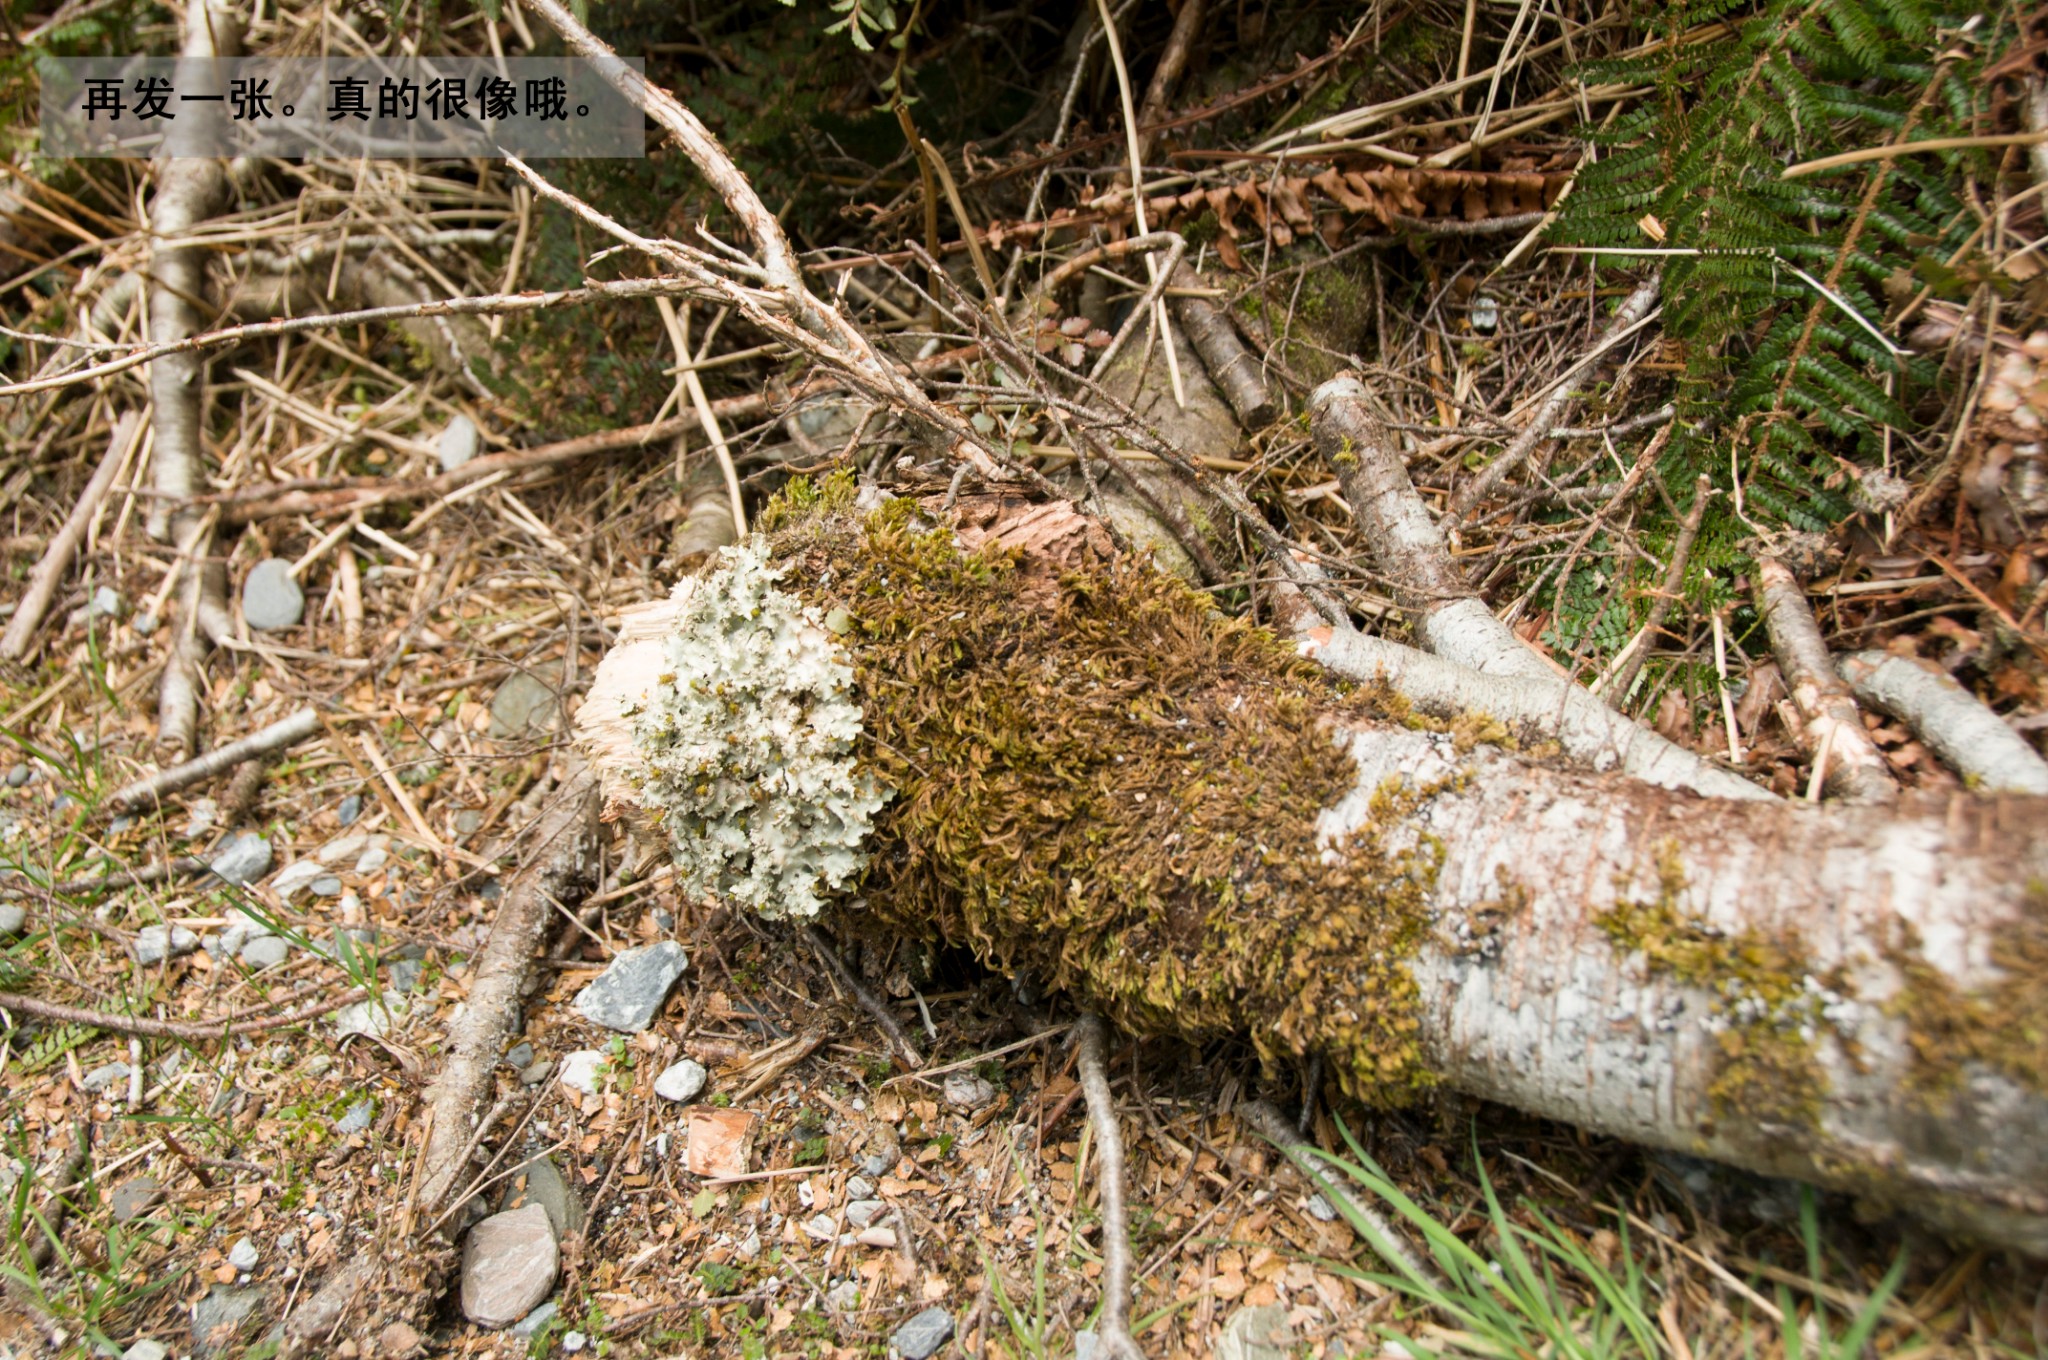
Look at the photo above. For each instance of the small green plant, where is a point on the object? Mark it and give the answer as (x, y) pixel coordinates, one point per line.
(720, 1279)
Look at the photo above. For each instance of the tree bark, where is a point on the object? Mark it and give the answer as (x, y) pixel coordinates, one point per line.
(1166, 812)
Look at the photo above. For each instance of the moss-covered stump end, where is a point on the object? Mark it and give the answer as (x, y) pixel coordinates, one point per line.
(1088, 774)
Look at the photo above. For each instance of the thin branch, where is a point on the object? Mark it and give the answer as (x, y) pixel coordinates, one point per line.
(1113, 1327)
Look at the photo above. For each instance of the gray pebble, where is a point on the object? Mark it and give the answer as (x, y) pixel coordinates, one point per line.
(319, 1065)
(154, 944)
(357, 1118)
(134, 1198)
(13, 917)
(860, 1187)
(534, 1321)
(875, 1164)
(538, 1073)
(965, 1091)
(218, 1317)
(519, 1055)
(862, 1213)
(265, 951)
(629, 993)
(105, 1075)
(20, 775)
(351, 808)
(681, 1082)
(921, 1337)
(243, 1255)
(271, 599)
(146, 1349)
(327, 885)
(242, 858)
(120, 824)
(525, 705)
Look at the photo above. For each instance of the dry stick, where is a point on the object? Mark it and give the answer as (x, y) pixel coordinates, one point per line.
(188, 191)
(1587, 730)
(195, 1031)
(560, 862)
(491, 304)
(1113, 1328)
(1618, 681)
(1856, 770)
(280, 734)
(338, 495)
(869, 1002)
(1989, 755)
(56, 559)
(1166, 75)
(1633, 312)
(125, 878)
(1137, 173)
(1451, 620)
(1384, 1237)
(75, 1163)
(1233, 368)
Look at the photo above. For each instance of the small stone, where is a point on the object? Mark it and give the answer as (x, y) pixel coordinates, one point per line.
(630, 992)
(921, 1337)
(405, 973)
(243, 1255)
(146, 1349)
(519, 1055)
(265, 951)
(356, 1118)
(120, 824)
(574, 1341)
(965, 1091)
(681, 1082)
(860, 1187)
(469, 821)
(524, 706)
(318, 1066)
(372, 1019)
(397, 1339)
(875, 1164)
(218, 1317)
(327, 885)
(540, 1182)
(154, 944)
(295, 876)
(146, 623)
(1320, 1209)
(538, 1073)
(242, 858)
(844, 1296)
(351, 808)
(100, 1078)
(13, 918)
(823, 1227)
(105, 604)
(583, 1070)
(534, 1321)
(374, 858)
(457, 444)
(508, 1266)
(343, 848)
(271, 599)
(1258, 1333)
(134, 1198)
(20, 775)
(201, 815)
(876, 1237)
(862, 1213)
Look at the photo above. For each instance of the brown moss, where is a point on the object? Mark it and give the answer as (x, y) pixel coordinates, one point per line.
(1109, 785)
(2003, 1026)
(1770, 1012)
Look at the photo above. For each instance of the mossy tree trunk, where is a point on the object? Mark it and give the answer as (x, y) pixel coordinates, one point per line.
(1096, 778)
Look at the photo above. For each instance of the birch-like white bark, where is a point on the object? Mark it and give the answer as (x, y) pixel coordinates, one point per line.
(1833, 729)
(1990, 756)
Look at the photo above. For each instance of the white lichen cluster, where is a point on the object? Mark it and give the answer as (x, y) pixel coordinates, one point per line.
(747, 743)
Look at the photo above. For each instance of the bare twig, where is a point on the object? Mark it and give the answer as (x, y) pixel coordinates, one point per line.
(1233, 368)
(1849, 761)
(1633, 312)
(197, 1031)
(279, 735)
(559, 860)
(869, 1002)
(56, 559)
(1113, 1328)
(1988, 754)
(1618, 681)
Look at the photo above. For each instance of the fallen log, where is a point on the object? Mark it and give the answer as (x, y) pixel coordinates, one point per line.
(994, 731)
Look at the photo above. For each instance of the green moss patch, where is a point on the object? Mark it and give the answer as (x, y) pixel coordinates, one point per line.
(2003, 1026)
(1101, 781)
(1769, 1005)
